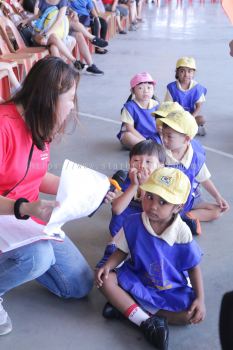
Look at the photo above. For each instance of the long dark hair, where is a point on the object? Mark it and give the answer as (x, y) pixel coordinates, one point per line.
(48, 78)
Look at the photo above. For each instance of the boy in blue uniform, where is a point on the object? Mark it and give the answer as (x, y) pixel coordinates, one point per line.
(178, 129)
(187, 92)
(144, 158)
(160, 251)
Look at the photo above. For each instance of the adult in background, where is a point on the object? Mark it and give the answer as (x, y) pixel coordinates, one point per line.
(89, 17)
(31, 120)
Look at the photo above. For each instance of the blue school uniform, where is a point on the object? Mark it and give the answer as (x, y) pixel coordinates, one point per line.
(187, 99)
(155, 274)
(197, 147)
(144, 123)
(196, 164)
(134, 207)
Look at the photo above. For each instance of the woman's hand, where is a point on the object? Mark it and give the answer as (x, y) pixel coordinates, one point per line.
(41, 209)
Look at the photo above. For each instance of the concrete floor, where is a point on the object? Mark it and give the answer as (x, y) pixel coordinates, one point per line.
(42, 321)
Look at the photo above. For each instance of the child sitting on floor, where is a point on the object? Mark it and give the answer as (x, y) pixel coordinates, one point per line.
(187, 92)
(178, 129)
(151, 287)
(137, 122)
(144, 158)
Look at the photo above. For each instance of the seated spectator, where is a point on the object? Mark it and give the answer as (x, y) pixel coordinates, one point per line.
(89, 17)
(139, 4)
(121, 11)
(89, 67)
(52, 27)
(78, 31)
(131, 6)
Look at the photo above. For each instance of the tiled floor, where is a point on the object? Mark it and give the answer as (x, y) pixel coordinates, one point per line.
(171, 29)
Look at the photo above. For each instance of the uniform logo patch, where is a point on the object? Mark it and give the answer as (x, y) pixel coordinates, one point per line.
(166, 180)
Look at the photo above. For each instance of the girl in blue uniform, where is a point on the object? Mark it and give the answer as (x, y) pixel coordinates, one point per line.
(137, 122)
(187, 92)
(151, 286)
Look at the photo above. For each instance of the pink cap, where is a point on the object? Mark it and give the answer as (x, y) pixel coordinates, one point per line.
(139, 78)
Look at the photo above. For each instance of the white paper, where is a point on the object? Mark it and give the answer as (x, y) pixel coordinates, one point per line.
(17, 233)
(81, 191)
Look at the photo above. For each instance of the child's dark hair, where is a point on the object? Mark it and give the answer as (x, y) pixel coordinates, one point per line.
(150, 148)
(29, 5)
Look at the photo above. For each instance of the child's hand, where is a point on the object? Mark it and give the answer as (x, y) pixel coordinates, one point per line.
(224, 206)
(110, 196)
(23, 22)
(143, 176)
(197, 311)
(100, 275)
(41, 39)
(133, 176)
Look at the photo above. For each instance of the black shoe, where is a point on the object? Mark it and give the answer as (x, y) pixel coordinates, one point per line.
(101, 51)
(122, 32)
(155, 330)
(94, 70)
(79, 65)
(110, 312)
(99, 42)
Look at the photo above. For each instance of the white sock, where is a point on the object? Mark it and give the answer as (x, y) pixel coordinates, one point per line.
(136, 315)
(3, 314)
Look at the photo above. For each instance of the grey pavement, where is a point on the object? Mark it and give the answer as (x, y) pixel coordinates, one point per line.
(41, 321)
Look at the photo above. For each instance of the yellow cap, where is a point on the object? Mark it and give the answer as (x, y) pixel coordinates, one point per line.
(186, 62)
(180, 121)
(167, 107)
(170, 184)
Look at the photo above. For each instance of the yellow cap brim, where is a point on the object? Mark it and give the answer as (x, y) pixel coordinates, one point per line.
(168, 197)
(160, 114)
(170, 123)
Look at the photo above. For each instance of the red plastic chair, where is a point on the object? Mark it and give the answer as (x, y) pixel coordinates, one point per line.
(25, 61)
(5, 91)
(6, 27)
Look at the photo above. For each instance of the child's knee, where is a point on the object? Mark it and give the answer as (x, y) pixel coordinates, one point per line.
(200, 120)
(53, 39)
